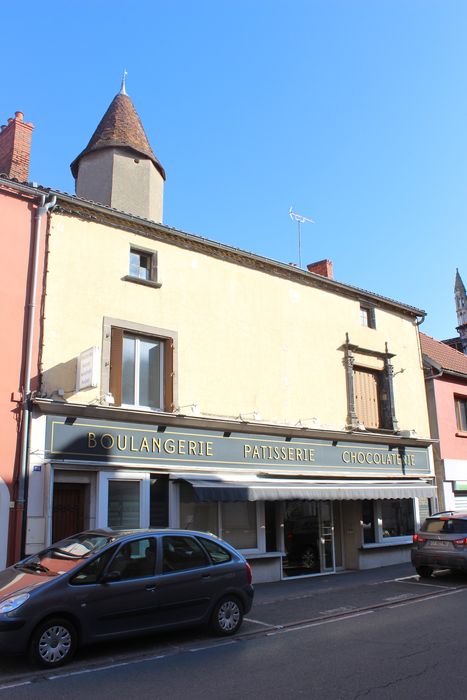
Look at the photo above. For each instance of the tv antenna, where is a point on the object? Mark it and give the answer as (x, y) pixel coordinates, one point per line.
(300, 220)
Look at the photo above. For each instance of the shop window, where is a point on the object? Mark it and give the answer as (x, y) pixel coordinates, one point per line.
(159, 500)
(123, 504)
(461, 414)
(141, 370)
(236, 523)
(387, 520)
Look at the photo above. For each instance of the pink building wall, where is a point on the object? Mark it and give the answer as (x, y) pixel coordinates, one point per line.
(453, 445)
(17, 214)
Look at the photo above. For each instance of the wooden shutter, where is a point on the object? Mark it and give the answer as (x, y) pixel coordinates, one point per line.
(116, 355)
(169, 375)
(366, 384)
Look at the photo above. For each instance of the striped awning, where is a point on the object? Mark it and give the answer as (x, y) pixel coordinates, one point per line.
(264, 489)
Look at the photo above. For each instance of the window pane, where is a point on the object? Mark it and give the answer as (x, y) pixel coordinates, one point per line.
(128, 370)
(397, 517)
(181, 553)
(150, 373)
(92, 571)
(368, 522)
(159, 500)
(140, 265)
(195, 515)
(124, 504)
(239, 524)
(219, 555)
(461, 412)
(135, 559)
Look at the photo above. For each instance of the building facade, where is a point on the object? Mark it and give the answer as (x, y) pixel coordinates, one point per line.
(191, 384)
(22, 226)
(446, 382)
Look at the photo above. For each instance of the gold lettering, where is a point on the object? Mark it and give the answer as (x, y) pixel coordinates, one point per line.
(144, 445)
(191, 447)
(156, 444)
(181, 447)
(377, 458)
(299, 453)
(209, 452)
(276, 453)
(291, 454)
(346, 456)
(312, 454)
(121, 447)
(92, 440)
(169, 446)
(110, 443)
(132, 445)
(201, 448)
(246, 450)
(255, 454)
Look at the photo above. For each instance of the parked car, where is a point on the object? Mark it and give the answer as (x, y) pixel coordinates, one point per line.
(106, 584)
(441, 543)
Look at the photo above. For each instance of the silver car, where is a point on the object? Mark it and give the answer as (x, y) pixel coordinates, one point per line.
(441, 543)
(104, 584)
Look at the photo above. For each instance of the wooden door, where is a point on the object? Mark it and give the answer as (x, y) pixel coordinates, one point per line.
(68, 510)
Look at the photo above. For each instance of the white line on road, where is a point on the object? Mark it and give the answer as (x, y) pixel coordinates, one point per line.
(318, 623)
(428, 597)
(15, 685)
(258, 622)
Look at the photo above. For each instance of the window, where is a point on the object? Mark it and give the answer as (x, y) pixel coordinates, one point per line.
(367, 316)
(143, 267)
(367, 397)
(461, 414)
(181, 553)
(218, 554)
(387, 519)
(141, 370)
(123, 504)
(92, 571)
(234, 522)
(135, 559)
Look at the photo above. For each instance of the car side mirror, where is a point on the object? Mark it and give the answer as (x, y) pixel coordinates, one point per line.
(111, 576)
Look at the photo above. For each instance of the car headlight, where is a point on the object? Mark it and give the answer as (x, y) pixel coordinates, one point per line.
(13, 602)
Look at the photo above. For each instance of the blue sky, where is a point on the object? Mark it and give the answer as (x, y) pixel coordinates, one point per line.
(352, 111)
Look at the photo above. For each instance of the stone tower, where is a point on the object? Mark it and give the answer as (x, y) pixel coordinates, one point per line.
(118, 167)
(461, 310)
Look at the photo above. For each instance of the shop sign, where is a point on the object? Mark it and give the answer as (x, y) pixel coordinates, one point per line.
(145, 444)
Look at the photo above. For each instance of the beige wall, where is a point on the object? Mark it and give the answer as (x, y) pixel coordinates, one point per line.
(246, 340)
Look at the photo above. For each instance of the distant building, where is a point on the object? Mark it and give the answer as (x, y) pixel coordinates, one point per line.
(446, 383)
(460, 297)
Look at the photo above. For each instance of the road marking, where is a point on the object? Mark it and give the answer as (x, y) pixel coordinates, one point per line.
(411, 579)
(334, 611)
(14, 685)
(318, 623)
(214, 645)
(428, 597)
(258, 622)
(106, 667)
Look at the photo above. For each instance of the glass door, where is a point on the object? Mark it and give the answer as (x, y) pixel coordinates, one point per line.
(308, 538)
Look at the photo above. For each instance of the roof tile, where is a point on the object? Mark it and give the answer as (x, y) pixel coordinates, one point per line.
(446, 357)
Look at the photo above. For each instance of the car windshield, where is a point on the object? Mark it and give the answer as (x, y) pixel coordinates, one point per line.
(66, 554)
(445, 525)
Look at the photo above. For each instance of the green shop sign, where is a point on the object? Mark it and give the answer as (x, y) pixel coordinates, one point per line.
(95, 440)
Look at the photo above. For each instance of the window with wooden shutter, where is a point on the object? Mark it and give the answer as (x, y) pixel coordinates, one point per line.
(367, 397)
(141, 370)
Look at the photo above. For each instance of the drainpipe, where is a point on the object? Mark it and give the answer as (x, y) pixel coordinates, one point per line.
(46, 203)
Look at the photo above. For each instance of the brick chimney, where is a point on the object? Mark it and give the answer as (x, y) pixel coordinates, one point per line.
(322, 267)
(15, 147)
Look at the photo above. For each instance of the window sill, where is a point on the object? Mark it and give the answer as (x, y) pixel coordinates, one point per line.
(461, 434)
(145, 283)
(262, 555)
(401, 542)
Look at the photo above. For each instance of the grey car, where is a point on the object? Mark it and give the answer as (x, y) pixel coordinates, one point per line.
(441, 543)
(104, 584)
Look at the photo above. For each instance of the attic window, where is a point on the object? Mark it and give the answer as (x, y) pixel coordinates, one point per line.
(143, 267)
(367, 316)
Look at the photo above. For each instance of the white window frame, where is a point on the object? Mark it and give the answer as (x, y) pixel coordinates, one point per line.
(102, 515)
(378, 520)
(138, 338)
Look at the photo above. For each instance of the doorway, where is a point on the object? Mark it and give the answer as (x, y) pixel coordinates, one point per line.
(68, 510)
(308, 538)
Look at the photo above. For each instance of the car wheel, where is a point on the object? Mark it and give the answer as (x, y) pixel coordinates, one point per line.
(53, 643)
(424, 571)
(227, 616)
(309, 558)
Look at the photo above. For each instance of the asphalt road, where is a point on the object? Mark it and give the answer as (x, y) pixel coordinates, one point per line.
(373, 635)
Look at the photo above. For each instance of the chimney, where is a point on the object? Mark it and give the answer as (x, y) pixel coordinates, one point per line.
(15, 147)
(322, 267)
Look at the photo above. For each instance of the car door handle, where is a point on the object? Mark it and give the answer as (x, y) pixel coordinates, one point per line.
(151, 587)
(206, 576)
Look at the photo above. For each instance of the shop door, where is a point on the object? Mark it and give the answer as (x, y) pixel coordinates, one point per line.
(68, 510)
(308, 538)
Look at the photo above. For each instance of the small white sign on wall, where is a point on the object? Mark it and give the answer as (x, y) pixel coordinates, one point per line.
(87, 371)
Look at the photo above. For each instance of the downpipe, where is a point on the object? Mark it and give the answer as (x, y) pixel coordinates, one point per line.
(46, 203)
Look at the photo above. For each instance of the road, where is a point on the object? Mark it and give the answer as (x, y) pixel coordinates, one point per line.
(386, 639)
